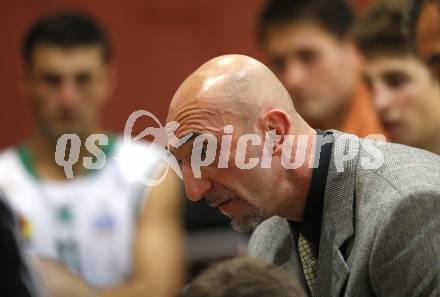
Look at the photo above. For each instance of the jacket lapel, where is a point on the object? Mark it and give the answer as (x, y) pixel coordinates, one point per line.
(277, 245)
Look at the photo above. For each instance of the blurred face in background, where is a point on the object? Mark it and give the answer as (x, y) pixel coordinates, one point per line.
(428, 36)
(317, 69)
(407, 98)
(68, 88)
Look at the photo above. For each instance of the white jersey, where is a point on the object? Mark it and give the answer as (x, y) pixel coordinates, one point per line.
(88, 222)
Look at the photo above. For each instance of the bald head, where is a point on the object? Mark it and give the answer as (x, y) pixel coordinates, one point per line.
(239, 113)
(234, 84)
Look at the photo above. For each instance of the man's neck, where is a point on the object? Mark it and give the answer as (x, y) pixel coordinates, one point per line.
(433, 146)
(338, 119)
(42, 152)
(298, 181)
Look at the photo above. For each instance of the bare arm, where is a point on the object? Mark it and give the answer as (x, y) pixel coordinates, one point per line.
(158, 265)
(158, 269)
(58, 281)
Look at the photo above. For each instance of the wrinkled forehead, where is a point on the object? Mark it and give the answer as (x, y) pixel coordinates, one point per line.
(208, 104)
(201, 118)
(185, 104)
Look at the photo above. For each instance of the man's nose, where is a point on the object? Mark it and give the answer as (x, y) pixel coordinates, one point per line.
(195, 188)
(382, 98)
(68, 92)
(293, 75)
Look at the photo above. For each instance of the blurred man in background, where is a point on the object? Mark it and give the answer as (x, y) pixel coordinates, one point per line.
(310, 50)
(405, 93)
(102, 233)
(424, 24)
(244, 277)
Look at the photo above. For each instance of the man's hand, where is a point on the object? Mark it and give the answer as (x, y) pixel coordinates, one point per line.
(58, 281)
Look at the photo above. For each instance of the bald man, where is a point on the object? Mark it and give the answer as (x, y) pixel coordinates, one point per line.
(348, 216)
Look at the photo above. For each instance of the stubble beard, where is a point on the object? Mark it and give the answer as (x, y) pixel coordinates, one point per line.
(248, 222)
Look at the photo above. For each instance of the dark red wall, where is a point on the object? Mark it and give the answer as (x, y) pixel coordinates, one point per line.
(157, 44)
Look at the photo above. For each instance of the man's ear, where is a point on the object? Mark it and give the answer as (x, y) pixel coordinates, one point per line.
(112, 79)
(279, 121)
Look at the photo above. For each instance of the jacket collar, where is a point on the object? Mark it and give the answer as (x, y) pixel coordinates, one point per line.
(338, 220)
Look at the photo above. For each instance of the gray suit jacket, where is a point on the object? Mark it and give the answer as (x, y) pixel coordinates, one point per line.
(380, 232)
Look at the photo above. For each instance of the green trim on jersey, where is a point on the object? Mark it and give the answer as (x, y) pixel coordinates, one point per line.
(24, 154)
(108, 149)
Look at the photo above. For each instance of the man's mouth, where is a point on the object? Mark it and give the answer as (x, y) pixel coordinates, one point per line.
(390, 126)
(226, 207)
(218, 204)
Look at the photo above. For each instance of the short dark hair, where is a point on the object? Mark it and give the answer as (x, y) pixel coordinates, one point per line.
(67, 29)
(413, 13)
(382, 30)
(335, 17)
(244, 277)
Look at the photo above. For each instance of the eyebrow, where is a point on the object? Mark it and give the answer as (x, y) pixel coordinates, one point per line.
(191, 138)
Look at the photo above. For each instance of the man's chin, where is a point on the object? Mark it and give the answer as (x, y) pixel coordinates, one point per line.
(54, 133)
(241, 227)
(246, 224)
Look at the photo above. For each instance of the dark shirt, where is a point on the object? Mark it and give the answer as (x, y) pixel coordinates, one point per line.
(15, 278)
(310, 227)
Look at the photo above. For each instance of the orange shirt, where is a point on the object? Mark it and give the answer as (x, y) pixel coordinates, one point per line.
(361, 118)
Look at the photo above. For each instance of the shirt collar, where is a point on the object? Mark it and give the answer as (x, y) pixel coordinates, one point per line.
(310, 227)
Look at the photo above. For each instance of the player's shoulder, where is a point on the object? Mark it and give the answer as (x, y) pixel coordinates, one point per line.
(8, 154)
(140, 149)
(8, 159)
(138, 158)
(13, 170)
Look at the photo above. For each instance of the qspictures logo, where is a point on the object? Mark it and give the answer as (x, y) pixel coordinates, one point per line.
(205, 147)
